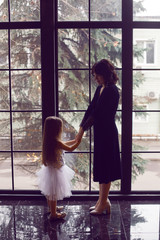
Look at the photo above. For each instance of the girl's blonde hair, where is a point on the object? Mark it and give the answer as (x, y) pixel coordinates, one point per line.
(51, 134)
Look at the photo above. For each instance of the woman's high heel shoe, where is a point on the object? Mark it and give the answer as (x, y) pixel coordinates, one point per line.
(92, 208)
(107, 208)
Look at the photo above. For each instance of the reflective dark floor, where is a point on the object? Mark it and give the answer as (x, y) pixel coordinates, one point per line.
(27, 220)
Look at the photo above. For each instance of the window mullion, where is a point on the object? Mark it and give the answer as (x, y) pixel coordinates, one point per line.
(127, 40)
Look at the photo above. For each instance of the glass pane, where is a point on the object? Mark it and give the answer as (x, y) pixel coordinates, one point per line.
(144, 221)
(73, 48)
(25, 167)
(102, 10)
(145, 171)
(27, 131)
(118, 118)
(73, 10)
(5, 141)
(146, 90)
(79, 162)
(106, 43)
(146, 48)
(73, 89)
(26, 90)
(4, 91)
(146, 10)
(25, 48)
(4, 11)
(71, 122)
(3, 49)
(116, 185)
(25, 10)
(5, 171)
(146, 131)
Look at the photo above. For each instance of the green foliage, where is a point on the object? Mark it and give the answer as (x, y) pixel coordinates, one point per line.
(138, 165)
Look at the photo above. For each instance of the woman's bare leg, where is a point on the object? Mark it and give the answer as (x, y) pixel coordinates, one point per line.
(104, 192)
(99, 198)
(102, 202)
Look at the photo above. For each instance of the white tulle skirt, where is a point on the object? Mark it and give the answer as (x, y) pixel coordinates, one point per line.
(55, 183)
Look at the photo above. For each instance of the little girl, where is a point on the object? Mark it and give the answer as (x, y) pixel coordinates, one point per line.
(54, 177)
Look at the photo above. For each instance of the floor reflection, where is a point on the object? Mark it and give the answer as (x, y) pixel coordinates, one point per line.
(28, 220)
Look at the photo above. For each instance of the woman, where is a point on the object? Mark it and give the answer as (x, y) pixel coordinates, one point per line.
(101, 115)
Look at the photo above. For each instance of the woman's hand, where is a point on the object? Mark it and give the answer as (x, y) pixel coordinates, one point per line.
(79, 135)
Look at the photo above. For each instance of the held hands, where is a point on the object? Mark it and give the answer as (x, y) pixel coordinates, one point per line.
(79, 135)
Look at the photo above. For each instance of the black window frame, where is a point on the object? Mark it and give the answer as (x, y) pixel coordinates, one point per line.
(49, 26)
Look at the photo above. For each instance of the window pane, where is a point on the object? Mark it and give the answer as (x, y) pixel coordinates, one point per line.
(73, 88)
(106, 10)
(26, 90)
(146, 90)
(144, 221)
(3, 49)
(106, 43)
(4, 11)
(5, 171)
(27, 132)
(118, 119)
(146, 10)
(71, 122)
(150, 52)
(146, 48)
(73, 48)
(79, 162)
(25, 48)
(146, 131)
(5, 143)
(25, 167)
(25, 10)
(73, 10)
(145, 171)
(4, 91)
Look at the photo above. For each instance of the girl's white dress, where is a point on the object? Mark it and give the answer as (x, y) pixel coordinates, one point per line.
(55, 183)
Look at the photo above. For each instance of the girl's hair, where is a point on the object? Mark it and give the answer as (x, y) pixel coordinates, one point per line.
(51, 134)
(106, 69)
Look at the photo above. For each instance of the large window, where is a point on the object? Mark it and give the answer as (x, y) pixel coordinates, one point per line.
(88, 31)
(146, 110)
(47, 49)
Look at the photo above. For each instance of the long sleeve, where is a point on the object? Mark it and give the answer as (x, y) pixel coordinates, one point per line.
(88, 119)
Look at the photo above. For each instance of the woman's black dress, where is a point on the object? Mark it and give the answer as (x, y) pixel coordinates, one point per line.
(101, 114)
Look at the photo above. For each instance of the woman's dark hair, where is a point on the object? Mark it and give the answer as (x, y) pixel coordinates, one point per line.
(106, 69)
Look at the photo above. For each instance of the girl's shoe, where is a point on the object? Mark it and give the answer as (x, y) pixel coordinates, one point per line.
(58, 216)
(59, 208)
(107, 208)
